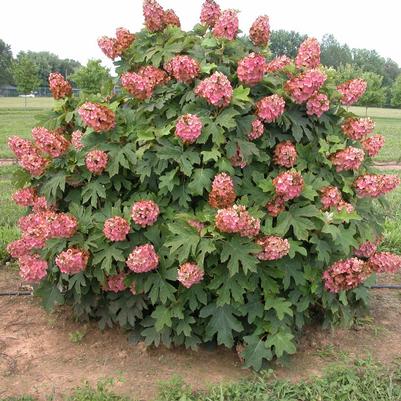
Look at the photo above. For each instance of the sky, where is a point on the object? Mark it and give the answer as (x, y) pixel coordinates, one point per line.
(70, 28)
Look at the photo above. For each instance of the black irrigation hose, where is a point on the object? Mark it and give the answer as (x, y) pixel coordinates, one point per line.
(387, 286)
(18, 293)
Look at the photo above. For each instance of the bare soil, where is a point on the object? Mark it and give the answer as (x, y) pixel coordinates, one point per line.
(38, 357)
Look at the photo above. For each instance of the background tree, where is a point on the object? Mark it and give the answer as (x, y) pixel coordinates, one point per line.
(285, 42)
(391, 70)
(93, 78)
(396, 93)
(375, 94)
(26, 75)
(347, 72)
(6, 60)
(47, 62)
(333, 54)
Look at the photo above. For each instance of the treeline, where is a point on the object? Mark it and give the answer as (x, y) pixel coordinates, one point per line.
(30, 70)
(382, 74)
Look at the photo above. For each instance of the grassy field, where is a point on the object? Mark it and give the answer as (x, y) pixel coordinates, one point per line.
(15, 119)
(9, 212)
(388, 123)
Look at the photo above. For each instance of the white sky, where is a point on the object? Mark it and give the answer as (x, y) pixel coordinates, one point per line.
(70, 28)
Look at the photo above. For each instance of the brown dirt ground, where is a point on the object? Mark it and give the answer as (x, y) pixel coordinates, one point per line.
(38, 358)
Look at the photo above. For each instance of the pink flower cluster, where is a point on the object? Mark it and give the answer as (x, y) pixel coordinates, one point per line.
(308, 54)
(76, 140)
(257, 130)
(62, 225)
(154, 16)
(275, 206)
(32, 268)
(116, 228)
(38, 227)
(304, 86)
(116, 283)
(23, 246)
(137, 85)
(270, 108)
(50, 142)
(385, 262)
(251, 69)
(28, 156)
(183, 68)
(366, 250)
(143, 259)
(347, 159)
(20, 146)
(285, 154)
(98, 117)
(331, 197)
(190, 274)
(25, 197)
(289, 185)
(352, 90)
(317, 105)
(145, 213)
(114, 47)
(373, 144)
(278, 64)
(236, 219)
(273, 248)
(260, 31)
(357, 128)
(375, 185)
(72, 261)
(59, 87)
(171, 18)
(346, 274)
(156, 19)
(227, 25)
(40, 204)
(210, 13)
(96, 161)
(216, 90)
(223, 193)
(188, 128)
(141, 84)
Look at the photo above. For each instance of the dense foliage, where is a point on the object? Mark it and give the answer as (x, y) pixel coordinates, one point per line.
(220, 196)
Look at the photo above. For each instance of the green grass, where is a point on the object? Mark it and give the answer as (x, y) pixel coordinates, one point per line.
(388, 123)
(31, 103)
(392, 214)
(15, 119)
(358, 381)
(9, 212)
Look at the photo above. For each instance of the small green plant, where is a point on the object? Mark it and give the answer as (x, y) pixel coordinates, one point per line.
(101, 393)
(331, 352)
(77, 336)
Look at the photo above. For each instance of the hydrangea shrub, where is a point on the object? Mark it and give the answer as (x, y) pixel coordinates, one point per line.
(220, 195)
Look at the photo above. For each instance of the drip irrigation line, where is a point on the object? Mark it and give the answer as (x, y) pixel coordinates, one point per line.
(15, 293)
(387, 286)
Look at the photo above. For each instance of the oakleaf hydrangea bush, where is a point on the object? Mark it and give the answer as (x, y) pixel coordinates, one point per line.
(219, 195)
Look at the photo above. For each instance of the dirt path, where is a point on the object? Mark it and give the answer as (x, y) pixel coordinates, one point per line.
(37, 356)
